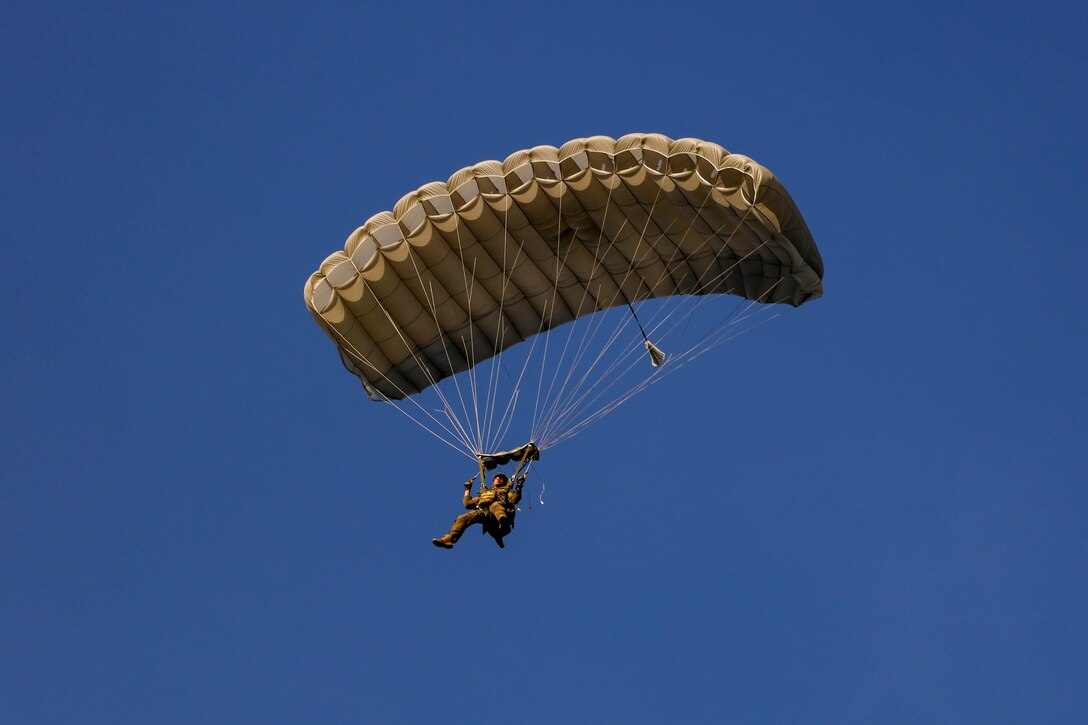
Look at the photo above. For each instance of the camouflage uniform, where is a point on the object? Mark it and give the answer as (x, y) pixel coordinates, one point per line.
(494, 509)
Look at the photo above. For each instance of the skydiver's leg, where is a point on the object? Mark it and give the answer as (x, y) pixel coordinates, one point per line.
(461, 523)
(465, 520)
(501, 518)
(499, 522)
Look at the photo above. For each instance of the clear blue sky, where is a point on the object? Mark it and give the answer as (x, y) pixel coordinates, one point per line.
(872, 510)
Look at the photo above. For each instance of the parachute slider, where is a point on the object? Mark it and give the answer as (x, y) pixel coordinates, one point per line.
(527, 452)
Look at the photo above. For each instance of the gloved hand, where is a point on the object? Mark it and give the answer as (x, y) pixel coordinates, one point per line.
(468, 485)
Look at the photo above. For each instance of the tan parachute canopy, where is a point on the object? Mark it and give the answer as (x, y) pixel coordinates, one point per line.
(460, 271)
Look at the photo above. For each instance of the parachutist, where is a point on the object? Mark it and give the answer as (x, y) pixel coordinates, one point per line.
(494, 509)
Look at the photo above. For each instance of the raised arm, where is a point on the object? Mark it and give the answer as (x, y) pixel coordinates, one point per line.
(470, 503)
(515, 495)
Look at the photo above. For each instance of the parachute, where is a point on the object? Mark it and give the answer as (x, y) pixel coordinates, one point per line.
(436, 295)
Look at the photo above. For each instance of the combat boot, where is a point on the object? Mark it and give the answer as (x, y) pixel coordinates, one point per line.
(445, 542)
